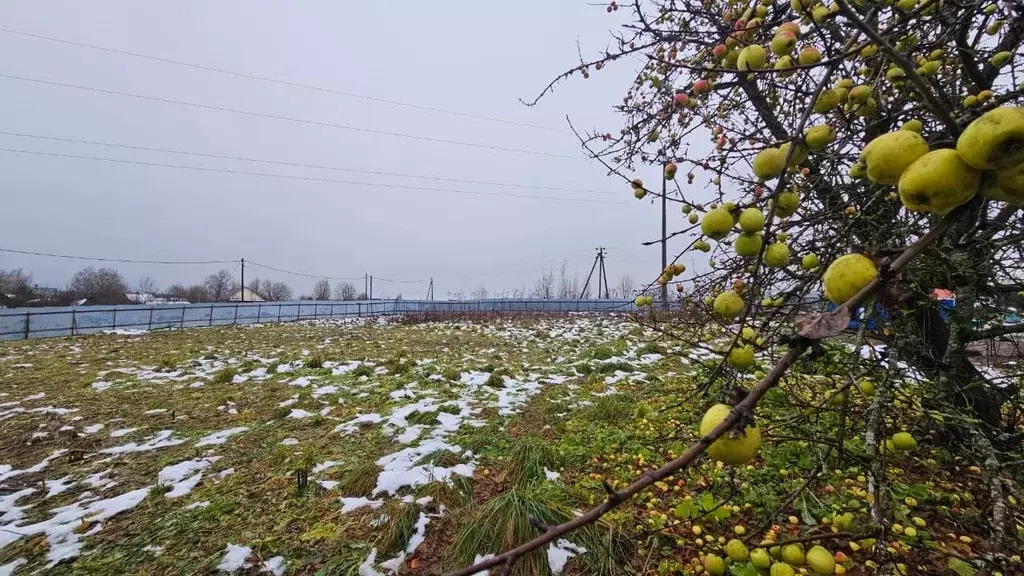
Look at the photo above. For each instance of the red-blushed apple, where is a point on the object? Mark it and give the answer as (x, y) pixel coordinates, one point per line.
(809, 55)
(791, 27)
(680, 100)
(719, 50)
(783, 43)
(700, 86)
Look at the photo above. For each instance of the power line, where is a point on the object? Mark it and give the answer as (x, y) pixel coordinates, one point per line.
(283, 271)
(305, 178)
(288, 118)
(117, 260)
(278, 81)
(402, 281)
(298, 164)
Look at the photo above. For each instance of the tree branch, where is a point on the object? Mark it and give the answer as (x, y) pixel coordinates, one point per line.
(745, 406)
(996, 332)
(940, 110)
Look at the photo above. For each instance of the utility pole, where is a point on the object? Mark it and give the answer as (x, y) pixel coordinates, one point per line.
(430, 290)
(602, 273)
(366, 284)
(598, 260)
(664, 234)
(243, 280)
(371, 287)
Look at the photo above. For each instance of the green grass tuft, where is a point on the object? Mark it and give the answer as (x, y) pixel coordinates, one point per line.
(611, 408)
(398, 366)
(651, 348)
(315, 361)
(528, 459)
(394, 534)
(358, 479)
(423, 418)
(225, 375)
(443, 458)
(600, 352)
(610, 367)
(504, 522)
(495, 380)
(362, 370)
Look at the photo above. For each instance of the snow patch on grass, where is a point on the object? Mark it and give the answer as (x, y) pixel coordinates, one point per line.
(560, 552)
(220, 437)
(184, 476)
(162, 439)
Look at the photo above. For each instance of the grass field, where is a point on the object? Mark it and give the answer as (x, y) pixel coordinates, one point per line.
(369, 447)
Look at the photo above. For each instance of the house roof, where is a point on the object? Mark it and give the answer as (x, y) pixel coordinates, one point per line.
(250, 296)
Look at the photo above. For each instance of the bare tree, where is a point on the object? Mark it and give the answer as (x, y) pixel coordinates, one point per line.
(220, 285)
(322, 290)
(626, 286)
(104, 283)
(255, 286)
(197, 293)
(480, 293)
(568, 286)
(146, 285)
(275, 291)
(545, 286)
(15, 282)
(194, 293)
(345, 291)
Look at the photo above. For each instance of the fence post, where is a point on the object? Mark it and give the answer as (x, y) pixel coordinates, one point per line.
(74, 320)
(235, 321)
(151, 318)
(259, 313)
(114, 322)
(28, 322)
(211, 315)
(278, 312)
(182, 317)
(332, 309)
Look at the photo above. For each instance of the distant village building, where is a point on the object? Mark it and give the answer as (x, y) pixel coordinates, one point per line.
(114, 299)
(152, 300)
(250, 296)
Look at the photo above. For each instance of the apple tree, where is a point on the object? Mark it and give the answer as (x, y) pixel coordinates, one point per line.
(828, 162)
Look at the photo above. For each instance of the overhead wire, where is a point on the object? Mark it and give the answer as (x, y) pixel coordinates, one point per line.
(296, 164)
(304, 178)
(287, 118)
(117, 260)
(284, 271)
(248, 262)
(277, 80)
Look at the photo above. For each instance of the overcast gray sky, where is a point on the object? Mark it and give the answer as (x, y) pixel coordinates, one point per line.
(468, 56)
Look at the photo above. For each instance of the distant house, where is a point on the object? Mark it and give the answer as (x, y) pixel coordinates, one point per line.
(249, 296)
(151, 300)
(7, 301)
(140, 298)
(103, 300)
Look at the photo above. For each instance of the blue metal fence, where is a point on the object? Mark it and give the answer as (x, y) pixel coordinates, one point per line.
(50, 322)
